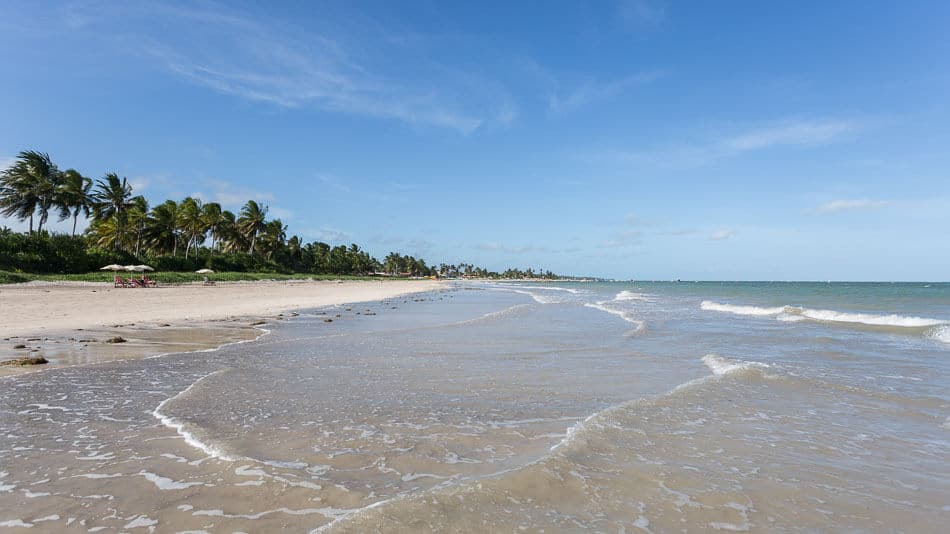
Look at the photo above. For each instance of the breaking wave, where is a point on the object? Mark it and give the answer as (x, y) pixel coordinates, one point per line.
(794, 313)
(179, 426)
(723, 366)
(632, 295)
(602, 306)
(740, 310)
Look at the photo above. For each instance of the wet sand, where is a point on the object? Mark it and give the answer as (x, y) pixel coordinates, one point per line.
(73, 323)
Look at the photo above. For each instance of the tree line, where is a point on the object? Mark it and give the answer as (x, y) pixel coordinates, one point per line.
(175, 235)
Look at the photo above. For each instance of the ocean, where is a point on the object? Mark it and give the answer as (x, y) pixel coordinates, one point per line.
(511, 407)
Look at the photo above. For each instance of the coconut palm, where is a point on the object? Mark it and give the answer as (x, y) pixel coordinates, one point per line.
(74, 197)
(161, 230)
(104, 232)
(252, 221)
(230, 238)
(191, 223)
(273, 237)
(138, 219)
(211, 216)
(113, 198)
(29, 187)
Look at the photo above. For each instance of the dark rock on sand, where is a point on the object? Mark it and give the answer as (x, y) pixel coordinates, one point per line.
(116, 339)
(36, 360)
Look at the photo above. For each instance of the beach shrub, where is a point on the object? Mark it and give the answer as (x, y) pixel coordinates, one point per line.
(57, 253)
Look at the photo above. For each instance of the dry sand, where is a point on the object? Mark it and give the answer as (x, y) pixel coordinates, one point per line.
(69, 323)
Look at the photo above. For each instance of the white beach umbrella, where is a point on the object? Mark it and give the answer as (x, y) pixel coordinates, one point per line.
(138, 268)
(113, 267)
(204, 271)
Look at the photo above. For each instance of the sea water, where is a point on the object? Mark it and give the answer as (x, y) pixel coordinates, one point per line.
(559, 406)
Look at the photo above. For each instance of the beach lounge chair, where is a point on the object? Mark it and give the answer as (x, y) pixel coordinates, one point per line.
(148, 281)
(120, 282)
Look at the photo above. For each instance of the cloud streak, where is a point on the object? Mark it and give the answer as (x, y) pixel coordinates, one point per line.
(722, 234)
(233, 54)
(786, 133)
(593, 91)
(837, 206)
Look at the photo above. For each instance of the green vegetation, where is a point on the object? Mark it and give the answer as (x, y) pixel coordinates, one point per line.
(7, 277)
(176, 238)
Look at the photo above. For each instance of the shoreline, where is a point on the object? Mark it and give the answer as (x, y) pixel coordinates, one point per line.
(73, 323)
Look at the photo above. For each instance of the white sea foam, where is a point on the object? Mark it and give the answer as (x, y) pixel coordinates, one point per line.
(941, 333)
(141, 521)
(603, 306)
(164, 483)
(179, 426)
(722, 366)
(632, 295)
(740, 310)
(865, 318)
(550, 288)
(13, 523)
(540, 299)
(795, 314)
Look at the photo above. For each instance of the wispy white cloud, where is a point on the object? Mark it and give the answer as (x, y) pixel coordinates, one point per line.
(639, 14)
(836, 206)
(333, 182)
(789, 133)
(6, 162)
(228, 194)
(328, 235)
(722, 234)
(281, 213)
(592, 91)
(786, 133)
(271, 61)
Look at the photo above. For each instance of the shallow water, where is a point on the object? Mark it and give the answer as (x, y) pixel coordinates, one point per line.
(517, 406)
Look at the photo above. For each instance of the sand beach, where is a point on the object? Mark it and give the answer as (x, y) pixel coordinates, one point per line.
(72, 322)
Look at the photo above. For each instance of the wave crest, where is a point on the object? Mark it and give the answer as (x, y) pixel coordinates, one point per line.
(794, 314)
(723, 366)
(633, 295)
(709, 305)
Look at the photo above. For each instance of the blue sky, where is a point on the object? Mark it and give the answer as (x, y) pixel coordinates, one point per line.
(635, 138)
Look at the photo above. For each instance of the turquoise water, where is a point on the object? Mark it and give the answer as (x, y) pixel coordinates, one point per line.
(555, 407)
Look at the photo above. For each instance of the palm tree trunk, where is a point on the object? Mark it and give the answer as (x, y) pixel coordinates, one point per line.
(31, 223)
(118, 231)
(75, 219)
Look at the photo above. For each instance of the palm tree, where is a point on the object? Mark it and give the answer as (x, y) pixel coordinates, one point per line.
(191, 223)
(29, 185)
(211, 216)
(161, 231)
(252, 221)
(113, 198)
(74, 196)
(105, 232)
(229, 236)
(273, 237)
(138, 218)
